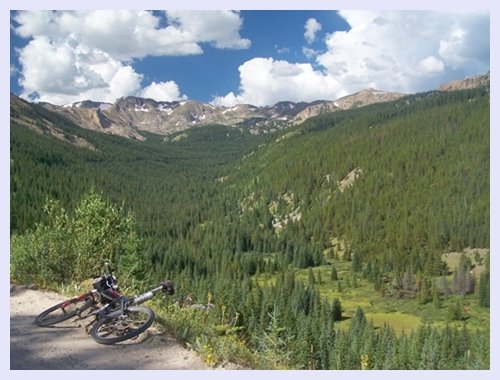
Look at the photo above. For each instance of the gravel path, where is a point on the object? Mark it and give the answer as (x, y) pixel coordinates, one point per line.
(67, 346)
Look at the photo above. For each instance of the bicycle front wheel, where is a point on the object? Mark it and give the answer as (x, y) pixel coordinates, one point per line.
(64, 310)
(133, 321)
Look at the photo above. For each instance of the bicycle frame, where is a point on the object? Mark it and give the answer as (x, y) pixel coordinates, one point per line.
(115, 317)
(81, 297)
(124, 303)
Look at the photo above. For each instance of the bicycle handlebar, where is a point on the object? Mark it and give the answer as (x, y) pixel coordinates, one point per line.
(167, 286)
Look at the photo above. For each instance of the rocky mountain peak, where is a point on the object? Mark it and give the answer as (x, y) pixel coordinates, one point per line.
(366, 97)
(133, 103)
(131, 115)
(467, 83)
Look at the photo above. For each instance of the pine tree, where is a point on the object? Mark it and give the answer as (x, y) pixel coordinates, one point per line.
(356, 262)
(354, 282)
(346, 256)
(339, 286)
(311, 278)
(320, 280)
(436, 298)
(358, 321)
(334, 274)
(424, 292)
(455, 311)
(336, 310)
(409, 280)
(445, 286)
(484, 289)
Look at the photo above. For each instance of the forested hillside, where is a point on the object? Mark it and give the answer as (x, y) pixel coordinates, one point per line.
(400, 183)
(301, 239)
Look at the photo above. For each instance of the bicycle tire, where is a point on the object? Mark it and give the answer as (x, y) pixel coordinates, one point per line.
(134, 320)
(64, 310)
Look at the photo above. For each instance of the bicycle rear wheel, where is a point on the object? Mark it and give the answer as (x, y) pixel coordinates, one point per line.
(133, 321)
(64, 310)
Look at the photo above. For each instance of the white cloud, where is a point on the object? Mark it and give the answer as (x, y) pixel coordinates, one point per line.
(73, 55)
(467, 41)
(48, 67)
(309, 53)
(430, 65)
(312, 27)
(13, 70)
(405, 51)
(398, 50)
(162, 91)
(221, 28)
(124, 81)
(228, 100)
(59, 73)
(265, 81)
(135, 34)
(282, 50)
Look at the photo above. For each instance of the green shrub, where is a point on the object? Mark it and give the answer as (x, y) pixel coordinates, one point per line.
(64, 248)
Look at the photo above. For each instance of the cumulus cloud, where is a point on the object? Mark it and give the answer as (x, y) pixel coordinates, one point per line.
(430, 65)
(265, 81)
(73, 55)
(312, 27)
(405, 51)
(162, 91)
(221, 28)
(60, 73)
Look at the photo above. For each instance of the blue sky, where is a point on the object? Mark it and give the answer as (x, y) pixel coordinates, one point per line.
(277, 34)
(226, 57)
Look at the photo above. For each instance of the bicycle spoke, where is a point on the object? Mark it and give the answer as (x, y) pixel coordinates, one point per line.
(63, 311)
(106, 331)
(126, 326)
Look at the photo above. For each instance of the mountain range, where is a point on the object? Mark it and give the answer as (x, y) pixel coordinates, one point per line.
(130, 116)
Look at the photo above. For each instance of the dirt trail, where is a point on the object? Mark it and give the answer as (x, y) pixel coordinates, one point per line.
(67, 346)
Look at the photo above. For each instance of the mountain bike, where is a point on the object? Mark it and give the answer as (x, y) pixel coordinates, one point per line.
(116, 317)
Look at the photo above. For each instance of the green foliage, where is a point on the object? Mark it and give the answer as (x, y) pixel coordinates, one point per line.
(311, 278)
(455, 311)
(358, 321)
(74, 248)
(424, 294)
(336, 310)
(421, 188)
(230, 217)
(334, 274)
(275, 341)
(436, 298)
(484, 289)
(45, 256)
(103, 231)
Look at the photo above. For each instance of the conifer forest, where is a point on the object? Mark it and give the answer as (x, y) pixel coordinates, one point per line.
(358, 239)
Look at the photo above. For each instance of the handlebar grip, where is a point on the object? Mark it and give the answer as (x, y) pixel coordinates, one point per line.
(168, 286)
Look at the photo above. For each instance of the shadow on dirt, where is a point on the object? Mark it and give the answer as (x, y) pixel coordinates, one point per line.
(67, 346)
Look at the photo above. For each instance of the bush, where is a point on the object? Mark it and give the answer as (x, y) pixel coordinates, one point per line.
(65, 248)
(45, 256)
(455, 312)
